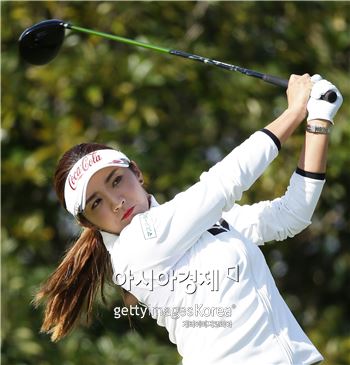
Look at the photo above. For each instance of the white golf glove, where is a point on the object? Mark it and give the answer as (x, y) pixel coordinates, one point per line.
(322, 109)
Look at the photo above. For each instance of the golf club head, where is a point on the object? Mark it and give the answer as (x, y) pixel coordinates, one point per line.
(40, 43)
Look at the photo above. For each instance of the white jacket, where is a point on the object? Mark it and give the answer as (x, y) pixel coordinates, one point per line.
(220, 304)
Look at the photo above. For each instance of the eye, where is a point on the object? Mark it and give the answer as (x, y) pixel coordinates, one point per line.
(117, 180)
(96, 203)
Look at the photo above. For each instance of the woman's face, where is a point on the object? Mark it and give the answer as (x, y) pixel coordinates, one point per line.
(114, 196)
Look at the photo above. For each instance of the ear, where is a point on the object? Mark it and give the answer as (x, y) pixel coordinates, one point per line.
(136, 170)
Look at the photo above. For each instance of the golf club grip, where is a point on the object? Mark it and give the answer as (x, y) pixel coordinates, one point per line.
(330, 96)
(275, 80)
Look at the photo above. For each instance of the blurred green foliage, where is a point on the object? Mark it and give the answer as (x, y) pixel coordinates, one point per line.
(176, 118)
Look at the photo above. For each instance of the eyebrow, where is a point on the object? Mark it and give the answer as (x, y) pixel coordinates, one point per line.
(110, 175)
(91, 197)
(107, 179)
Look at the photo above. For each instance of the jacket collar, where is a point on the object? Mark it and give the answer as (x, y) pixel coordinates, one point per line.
(110, 239)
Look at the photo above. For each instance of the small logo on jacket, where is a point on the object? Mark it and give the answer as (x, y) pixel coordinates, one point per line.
(147, 226)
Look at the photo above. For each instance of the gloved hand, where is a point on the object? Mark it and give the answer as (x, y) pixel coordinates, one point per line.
(321, 109)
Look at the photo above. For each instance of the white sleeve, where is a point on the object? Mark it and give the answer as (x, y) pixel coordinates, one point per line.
(160, 236)
(280, 218)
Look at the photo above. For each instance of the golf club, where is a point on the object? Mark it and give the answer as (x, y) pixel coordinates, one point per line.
(40, 43)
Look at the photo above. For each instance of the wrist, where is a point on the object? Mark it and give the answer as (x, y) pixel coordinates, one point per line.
(298, 115)
(321, 122)
(318, 129)
(319, 126)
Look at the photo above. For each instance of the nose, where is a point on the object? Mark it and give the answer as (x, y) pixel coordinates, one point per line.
(117, 203)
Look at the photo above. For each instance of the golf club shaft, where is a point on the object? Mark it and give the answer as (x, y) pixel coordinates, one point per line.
(330, 96)
(268, 78)
(117, 38)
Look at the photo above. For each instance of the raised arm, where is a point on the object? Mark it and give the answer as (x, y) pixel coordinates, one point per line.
(313, 156)
(286, 216)
(298, 94)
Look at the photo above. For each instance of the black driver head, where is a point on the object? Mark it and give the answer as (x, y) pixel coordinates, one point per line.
(40, 43)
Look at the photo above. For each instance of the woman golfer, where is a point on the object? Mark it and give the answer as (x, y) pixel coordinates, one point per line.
(194, 261)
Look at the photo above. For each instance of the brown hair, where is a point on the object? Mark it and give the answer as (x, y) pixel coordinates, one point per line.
(71, 289)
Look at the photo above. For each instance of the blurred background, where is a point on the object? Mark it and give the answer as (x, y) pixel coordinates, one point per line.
(176, 118)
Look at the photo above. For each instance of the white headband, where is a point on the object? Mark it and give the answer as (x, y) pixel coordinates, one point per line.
(80, 174)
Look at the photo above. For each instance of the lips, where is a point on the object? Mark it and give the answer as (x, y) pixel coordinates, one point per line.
(128, 213)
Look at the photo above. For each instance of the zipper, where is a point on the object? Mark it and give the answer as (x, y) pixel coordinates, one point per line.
(280, 340)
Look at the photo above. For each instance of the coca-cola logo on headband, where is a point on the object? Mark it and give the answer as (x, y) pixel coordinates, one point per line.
(86, 162)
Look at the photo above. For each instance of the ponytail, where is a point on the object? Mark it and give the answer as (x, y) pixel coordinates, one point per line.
(70, 291)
